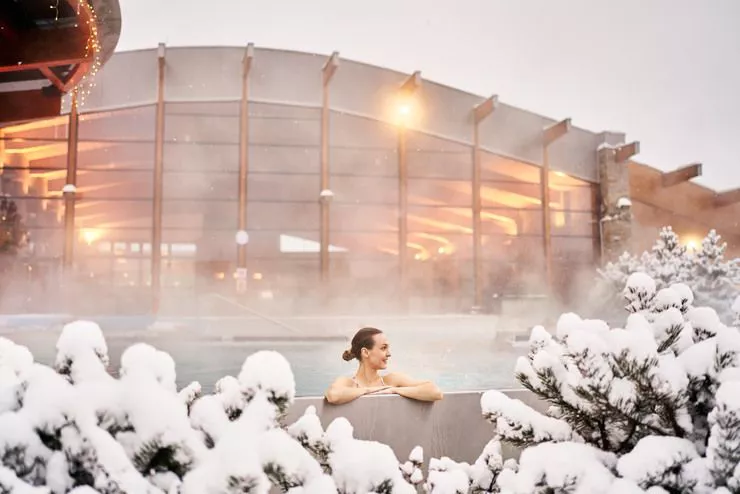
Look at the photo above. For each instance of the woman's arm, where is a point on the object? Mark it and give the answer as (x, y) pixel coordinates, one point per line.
(414, 389)
(343, 390)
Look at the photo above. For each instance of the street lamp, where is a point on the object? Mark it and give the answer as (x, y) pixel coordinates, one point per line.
(242, 237)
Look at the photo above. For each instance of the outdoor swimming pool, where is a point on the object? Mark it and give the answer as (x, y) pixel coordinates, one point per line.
(457, 362)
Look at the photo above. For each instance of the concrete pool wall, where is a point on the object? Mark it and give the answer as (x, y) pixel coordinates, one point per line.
(453, 427)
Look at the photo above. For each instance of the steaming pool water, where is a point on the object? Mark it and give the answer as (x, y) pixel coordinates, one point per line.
(455, 363)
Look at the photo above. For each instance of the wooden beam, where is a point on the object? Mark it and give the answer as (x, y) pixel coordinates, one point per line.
(248, 59)
(330, 67)
(75, 77)
(158, 182)
(485, 108)
(480, 112)
(727, 198)
(412, 83)
(328, 70)
(626, 151)
(242, 188)
(683, 174)
(70, 187)
(556, 131)
(56, 81)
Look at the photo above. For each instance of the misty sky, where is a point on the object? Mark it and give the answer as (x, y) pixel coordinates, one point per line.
(666, 72)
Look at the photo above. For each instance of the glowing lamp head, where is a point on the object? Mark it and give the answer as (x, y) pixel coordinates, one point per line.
(90, 236)
(242, 237)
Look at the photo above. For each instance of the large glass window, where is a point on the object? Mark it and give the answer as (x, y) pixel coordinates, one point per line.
(574, 223)
(34, 157)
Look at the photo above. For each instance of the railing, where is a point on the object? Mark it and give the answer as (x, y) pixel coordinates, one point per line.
(453, 427)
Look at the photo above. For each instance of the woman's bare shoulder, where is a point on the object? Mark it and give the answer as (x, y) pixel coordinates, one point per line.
(343, 381)
(402, 380)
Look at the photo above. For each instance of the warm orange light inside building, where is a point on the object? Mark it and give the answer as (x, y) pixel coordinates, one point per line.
(403, 111)
(89, 236)
(692, 243)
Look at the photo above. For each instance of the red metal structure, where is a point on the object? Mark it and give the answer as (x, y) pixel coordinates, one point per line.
(47, 47)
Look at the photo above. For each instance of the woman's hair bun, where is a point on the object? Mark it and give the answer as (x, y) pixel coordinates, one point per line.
(347, 355)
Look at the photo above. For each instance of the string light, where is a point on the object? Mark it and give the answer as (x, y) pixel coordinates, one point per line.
(92, 50)
(56, 10)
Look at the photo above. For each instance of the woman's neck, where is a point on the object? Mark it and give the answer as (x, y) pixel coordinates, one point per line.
(367, 374)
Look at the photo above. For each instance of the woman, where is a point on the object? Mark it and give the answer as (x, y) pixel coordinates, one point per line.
(370, 347)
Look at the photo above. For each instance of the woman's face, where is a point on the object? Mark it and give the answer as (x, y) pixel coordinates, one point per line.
(377, 358)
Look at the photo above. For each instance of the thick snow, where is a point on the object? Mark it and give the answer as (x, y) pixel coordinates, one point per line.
(78, 339)
(447, 482)
(362, 466)
(668, 319)
(558, 465)
(15, 358)
(640, 282)
(269, 371)
(417, 455)
(515, 419)
(723, 447)
(698, 360)
(666, 298)
(684, 291)
(308, 428)
(704, 320)
(141, 360)
(654, 456)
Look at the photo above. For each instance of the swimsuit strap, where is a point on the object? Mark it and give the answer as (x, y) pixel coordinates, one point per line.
(357, 384)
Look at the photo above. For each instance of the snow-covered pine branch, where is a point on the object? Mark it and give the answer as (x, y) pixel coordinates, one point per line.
(712, 279)
(655, 403)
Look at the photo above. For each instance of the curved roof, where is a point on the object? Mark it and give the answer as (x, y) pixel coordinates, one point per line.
(48, 51)
(215, 74)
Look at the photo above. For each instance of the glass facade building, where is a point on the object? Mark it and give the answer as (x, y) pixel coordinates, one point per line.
(400, 215)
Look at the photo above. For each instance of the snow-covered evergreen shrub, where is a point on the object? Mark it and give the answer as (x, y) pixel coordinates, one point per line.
(713, 280)
(653, 407)
(76, 429)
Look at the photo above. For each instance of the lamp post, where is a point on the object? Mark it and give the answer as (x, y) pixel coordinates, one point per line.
(550, 134)
(242, 239)
(407, 90)
(325, 195)
(480, 112)
(241, 251)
